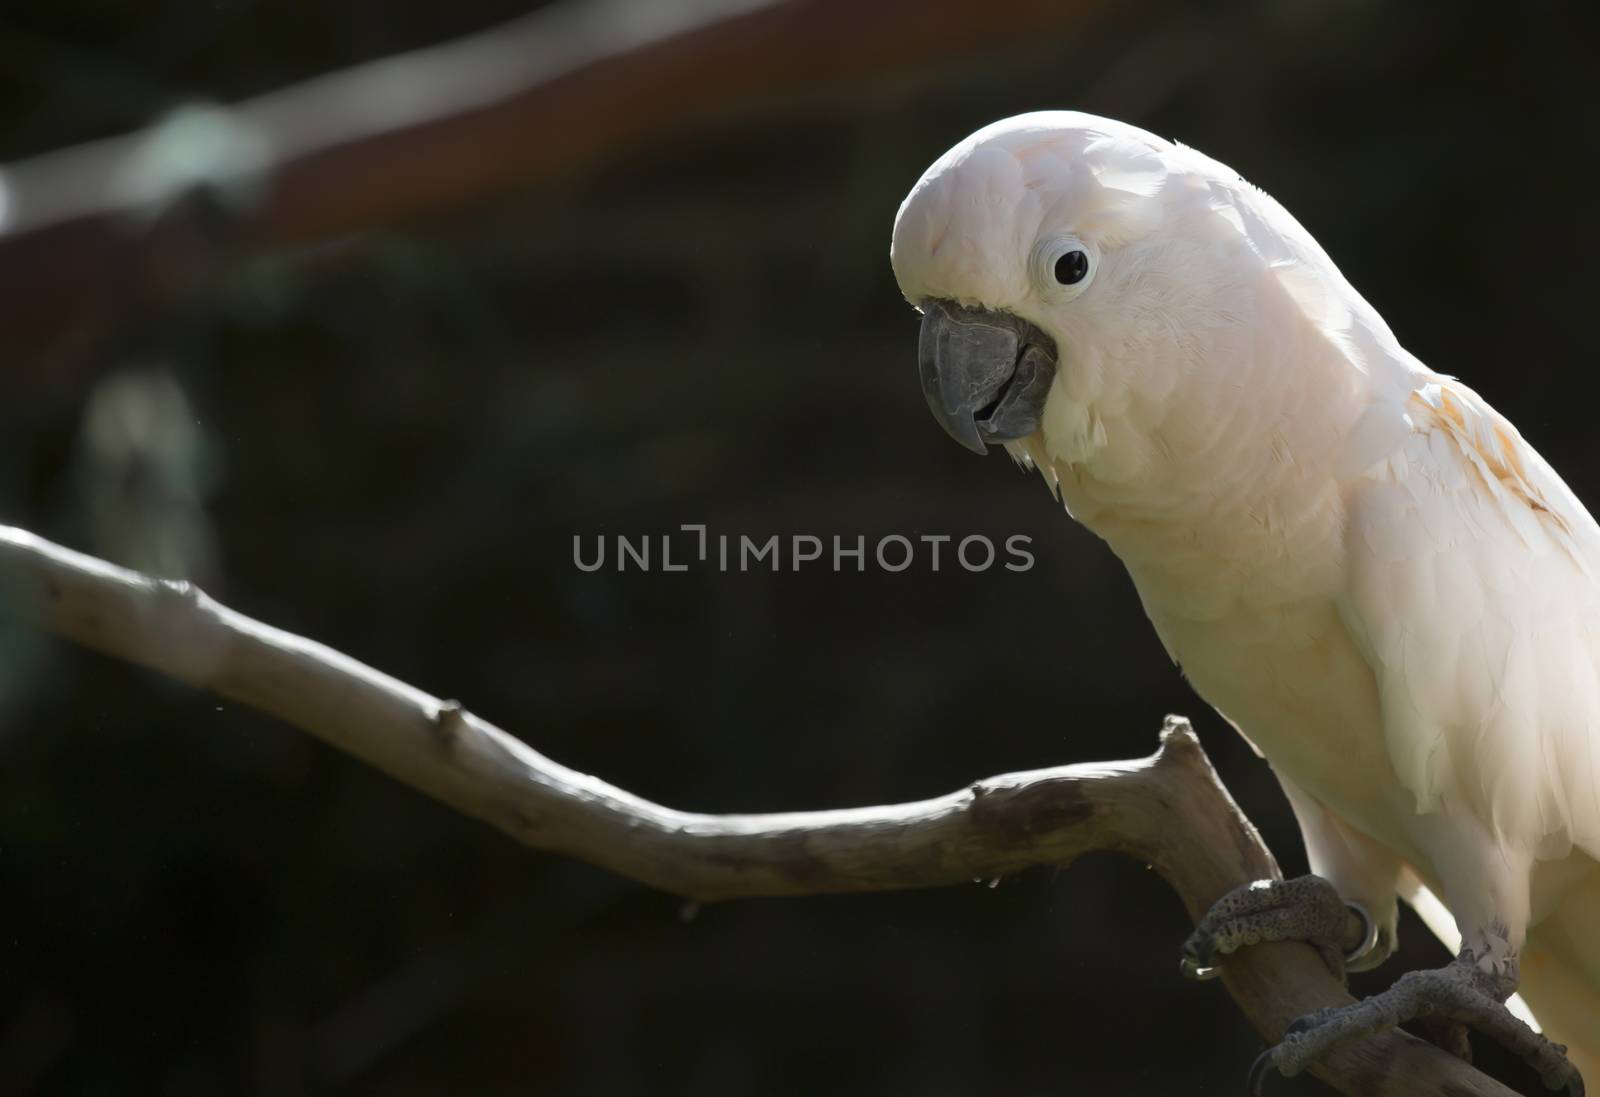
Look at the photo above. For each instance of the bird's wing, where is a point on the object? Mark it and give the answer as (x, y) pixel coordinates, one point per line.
(1474, 587)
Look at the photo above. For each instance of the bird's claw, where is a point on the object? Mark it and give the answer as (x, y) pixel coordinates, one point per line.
(1259, 1071)
(1307, 908)
(1457, 993)
(1193, 969)
(1300, 1025)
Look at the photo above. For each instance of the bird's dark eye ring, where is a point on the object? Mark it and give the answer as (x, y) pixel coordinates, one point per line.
(1072, 267)
(1062, 266)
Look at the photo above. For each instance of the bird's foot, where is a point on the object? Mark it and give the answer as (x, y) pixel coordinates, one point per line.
(1446, 1035)
(1307, 908)
(1459, 992)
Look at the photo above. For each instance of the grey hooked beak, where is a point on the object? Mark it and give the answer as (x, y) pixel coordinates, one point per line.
(986, 374)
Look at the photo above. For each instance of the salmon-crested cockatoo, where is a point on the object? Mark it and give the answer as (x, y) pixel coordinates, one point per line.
(1355, 559)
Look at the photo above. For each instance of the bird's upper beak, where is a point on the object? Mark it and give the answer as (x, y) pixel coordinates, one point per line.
(985, 373)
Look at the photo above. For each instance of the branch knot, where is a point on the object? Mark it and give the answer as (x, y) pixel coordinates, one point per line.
(449, 722)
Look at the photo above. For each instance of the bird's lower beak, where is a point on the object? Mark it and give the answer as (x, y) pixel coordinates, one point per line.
(985, 373)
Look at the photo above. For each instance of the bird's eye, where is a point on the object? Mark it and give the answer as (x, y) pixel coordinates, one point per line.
(1063, 266)
(1072, 267)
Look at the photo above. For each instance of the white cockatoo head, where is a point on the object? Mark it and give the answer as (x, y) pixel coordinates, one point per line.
(1078, 277)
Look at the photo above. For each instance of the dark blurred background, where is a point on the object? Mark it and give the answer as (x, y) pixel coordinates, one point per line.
(388, 443)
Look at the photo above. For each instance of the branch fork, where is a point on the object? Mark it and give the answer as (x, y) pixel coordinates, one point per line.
(1168, 810)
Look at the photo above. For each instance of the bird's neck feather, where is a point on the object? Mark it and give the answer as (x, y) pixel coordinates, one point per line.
(1226, 462)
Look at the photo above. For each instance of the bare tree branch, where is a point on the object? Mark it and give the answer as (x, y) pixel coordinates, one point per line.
(543, 98)
(1168, 810)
